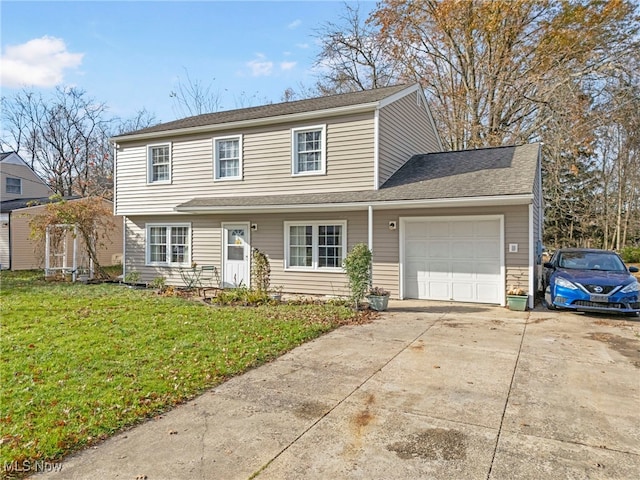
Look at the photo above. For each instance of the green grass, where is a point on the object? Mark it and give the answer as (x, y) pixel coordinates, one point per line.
(79, 362)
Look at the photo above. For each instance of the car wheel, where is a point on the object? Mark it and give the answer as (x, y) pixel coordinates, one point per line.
(547, 303)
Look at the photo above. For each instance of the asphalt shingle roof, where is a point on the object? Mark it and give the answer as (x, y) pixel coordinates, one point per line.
(274, 110)
(486, 172)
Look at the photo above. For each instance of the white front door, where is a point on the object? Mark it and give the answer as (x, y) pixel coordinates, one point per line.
(236, 255)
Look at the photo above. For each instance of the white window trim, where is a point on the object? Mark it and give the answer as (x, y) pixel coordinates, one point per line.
(294, 150)
(6, 185)
(150, 180)
(216, 164)
(147, 246)
(315, 247)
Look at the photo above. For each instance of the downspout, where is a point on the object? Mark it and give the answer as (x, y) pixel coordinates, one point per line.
(376, 150)
(370, 239)
(10, 242)
(532, 252)
(124, 246)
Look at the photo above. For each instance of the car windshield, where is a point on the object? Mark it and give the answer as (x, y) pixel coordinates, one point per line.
(591, 261)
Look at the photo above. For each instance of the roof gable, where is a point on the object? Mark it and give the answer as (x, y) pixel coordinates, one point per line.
(12, 158)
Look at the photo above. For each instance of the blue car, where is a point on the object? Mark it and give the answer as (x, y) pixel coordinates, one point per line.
(590, 280)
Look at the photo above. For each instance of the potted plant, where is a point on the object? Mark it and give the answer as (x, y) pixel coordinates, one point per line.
(378, 298)
(517, 299)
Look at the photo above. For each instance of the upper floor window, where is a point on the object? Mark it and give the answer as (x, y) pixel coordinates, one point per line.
(159, 163)
(308, 150)
(168, 244)
(315, 245)
(227, 153)
(14, 185)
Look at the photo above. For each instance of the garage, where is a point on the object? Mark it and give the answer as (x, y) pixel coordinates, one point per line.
(453, 258)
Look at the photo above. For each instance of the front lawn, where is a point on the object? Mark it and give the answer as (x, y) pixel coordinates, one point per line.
(79, 362)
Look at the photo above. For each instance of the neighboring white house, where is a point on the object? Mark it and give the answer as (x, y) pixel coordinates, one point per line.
(304, 181)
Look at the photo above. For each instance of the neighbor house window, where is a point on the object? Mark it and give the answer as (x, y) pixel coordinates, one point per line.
(159, 163)
(227, 152)
(309, 150)
(14, 185)
(168, 244)
(315, 245)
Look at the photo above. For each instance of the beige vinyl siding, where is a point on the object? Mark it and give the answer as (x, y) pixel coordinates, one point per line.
(269, 238)
(405, 130)
(266, 166)
(28, 253)
(32, 186)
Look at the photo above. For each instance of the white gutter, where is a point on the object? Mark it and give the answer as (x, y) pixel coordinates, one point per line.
(501, 200)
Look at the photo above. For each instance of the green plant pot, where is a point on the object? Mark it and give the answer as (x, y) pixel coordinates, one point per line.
(517, 302)
(378, 302)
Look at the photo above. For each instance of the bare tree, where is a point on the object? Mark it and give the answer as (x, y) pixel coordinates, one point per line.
(65, 138)
(354, 56)
(193, 97)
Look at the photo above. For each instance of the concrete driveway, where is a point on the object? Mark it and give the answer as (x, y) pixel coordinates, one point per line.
(428, 390)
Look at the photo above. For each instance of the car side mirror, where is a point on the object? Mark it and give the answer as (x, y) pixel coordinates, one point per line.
(633, 269)
(548, 265)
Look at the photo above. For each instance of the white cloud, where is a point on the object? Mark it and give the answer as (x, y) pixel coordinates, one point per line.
(295, 24)
(260, 67)
(287, 65)
(302, 45)
(40, 62)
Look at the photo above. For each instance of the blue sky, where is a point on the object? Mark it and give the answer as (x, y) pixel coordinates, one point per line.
(131, 55)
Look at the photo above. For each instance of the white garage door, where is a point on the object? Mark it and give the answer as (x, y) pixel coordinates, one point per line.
(450, 258)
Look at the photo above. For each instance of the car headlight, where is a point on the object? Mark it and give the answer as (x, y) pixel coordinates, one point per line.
(563, 282)
(632, 287)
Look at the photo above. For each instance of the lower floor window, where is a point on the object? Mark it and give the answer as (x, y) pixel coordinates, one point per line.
(167, 244)
(315, 245)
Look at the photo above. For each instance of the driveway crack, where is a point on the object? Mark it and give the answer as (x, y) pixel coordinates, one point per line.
(506, 403)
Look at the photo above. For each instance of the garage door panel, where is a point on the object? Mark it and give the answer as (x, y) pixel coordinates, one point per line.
(463, 249)
(487, 249)
(487, 227)
(437, 290)
(458, 260)
(437, 269)
(416, 248)
(463, 229)
(486, 293)
(437, 249)
(438, 229)
(464, 292)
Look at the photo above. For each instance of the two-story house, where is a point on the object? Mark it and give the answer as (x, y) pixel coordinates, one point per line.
(304, 181)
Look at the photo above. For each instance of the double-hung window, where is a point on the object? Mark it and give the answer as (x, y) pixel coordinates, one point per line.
(227, 153)
(168, 244)
(315, 245)
(159, 163)
(14, 185)
(308, 146)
